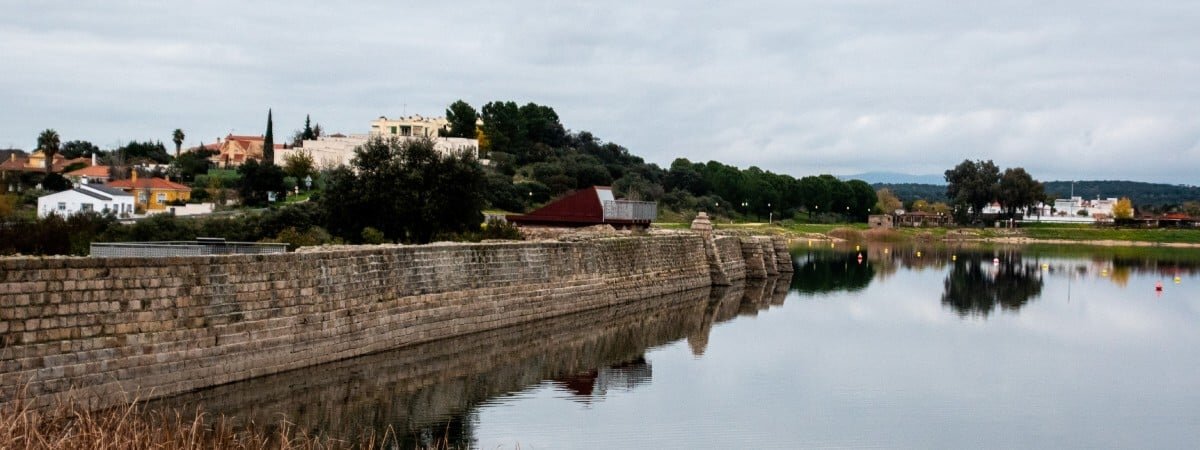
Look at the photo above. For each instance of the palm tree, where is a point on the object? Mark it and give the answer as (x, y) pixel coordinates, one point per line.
(48, 141)
(177, 136)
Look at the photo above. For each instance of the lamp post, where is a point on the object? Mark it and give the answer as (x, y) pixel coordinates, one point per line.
(308, 182)
(746, 208)
(770, 214)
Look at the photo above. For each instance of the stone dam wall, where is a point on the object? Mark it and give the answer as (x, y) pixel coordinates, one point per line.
(106, 330)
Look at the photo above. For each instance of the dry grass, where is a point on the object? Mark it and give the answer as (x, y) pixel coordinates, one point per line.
(848, 234)
(133, 427)
(884, 235)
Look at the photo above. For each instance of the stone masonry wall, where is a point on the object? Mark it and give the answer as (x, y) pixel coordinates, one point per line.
(159, 326)
(732, 261)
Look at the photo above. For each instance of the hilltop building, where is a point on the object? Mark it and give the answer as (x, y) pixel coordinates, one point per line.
(235, 150)
(338, 149)
(411, 126)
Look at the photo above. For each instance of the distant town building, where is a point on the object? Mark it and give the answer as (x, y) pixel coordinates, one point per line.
(337, 149)
(86, 198)
(411, 126)
(880, 221)
(153, 193)
(921, 219)
(19, 163)
(235, 150)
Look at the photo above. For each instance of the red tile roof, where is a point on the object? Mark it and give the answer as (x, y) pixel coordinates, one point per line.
(148, 183)
(96, 171)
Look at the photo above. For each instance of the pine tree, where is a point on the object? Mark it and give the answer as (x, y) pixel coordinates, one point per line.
(269, 141)
(308, 131)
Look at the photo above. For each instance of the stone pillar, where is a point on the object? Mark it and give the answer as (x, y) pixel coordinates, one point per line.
(716, 269)
(783, 258)
(702, 225)
(752, 254)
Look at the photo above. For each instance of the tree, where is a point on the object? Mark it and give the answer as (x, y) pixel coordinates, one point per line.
(541, 125)
(55, 183)
(48, 142)
(863, 199)
(193, 163)
(405, 189)
(299, 164)
(78, 149)
(815, 195)
(258, 181)
(269, 142)
(177, 137)
(462, 118)
(887, 202)
(140, 152)
(1123, 210)
(1018, 190)
(971, 186)
(503, 128)
(308, 133)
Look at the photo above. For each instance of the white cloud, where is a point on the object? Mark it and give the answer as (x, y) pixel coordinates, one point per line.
(1066, 90)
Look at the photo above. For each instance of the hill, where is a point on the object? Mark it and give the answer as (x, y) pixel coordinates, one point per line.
(895, 178)
(1142, 194)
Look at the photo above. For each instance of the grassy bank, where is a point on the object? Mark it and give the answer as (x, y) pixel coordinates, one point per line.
(1033, 232)
(1078, 233)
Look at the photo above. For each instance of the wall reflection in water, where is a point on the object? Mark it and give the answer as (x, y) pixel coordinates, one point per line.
(426, 394)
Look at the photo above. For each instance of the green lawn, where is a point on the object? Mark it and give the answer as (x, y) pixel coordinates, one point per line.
(1077, 233)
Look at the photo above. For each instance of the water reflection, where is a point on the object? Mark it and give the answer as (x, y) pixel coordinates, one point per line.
(981, 278)
(821, 272)
(974, 287)
(428, 393)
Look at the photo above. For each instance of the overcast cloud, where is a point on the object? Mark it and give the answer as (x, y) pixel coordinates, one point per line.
(1075, 90)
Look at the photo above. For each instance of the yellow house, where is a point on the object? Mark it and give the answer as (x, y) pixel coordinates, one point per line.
(153, 193)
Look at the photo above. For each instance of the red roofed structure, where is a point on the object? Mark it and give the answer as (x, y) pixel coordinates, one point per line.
(90, 174)
(592, 206)
(236, 150)
(153, 193)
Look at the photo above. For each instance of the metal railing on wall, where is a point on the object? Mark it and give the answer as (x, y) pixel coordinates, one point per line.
(201, 246)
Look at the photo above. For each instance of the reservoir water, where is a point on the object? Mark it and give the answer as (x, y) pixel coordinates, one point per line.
(901, 348)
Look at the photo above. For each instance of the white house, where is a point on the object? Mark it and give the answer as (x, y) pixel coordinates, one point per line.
(330, 151)
(86, 197)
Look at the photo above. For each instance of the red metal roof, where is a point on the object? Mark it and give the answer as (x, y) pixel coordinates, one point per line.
(581, 208)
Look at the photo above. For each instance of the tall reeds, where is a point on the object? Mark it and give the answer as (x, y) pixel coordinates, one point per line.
(133, 426)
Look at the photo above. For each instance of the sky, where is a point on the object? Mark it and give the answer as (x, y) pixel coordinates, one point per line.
(1067, 90)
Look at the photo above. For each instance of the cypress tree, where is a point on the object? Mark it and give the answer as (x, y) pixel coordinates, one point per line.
(308, 131)
(269, 141)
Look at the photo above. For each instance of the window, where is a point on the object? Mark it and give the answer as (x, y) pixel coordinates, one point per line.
(393, 130)
(85, 206)
(162, 198)
(143, 196)
(406, 131)
(62, 206)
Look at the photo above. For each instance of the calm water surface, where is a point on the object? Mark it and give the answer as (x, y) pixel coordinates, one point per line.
(946, 348)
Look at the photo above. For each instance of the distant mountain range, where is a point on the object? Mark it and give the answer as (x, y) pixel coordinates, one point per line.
(895, 178)
(1142, 194)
